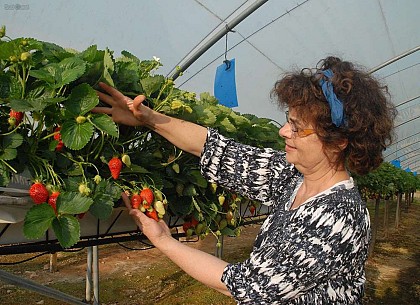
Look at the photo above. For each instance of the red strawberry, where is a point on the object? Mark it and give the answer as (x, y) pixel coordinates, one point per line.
(194, 221)
(115, 166)
(135, 201)
(15, 117)
(59, 146)
(186, 225)
(57, 134)
(52, 200)
(57, 137)
(152, 214)
(252, 209)
(38, 192)
(147, 197)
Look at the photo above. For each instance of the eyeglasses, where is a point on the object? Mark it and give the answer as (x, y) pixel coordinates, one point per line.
(301, 133)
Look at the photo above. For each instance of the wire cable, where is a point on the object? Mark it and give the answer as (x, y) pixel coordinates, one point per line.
(201, 41)
(242, 36)
(247, 37)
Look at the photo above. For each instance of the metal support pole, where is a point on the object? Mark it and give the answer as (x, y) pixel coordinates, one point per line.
(53, 262)
(95, 273)
(396, 58)
(88, 296)
(228, 27)
(219, 249)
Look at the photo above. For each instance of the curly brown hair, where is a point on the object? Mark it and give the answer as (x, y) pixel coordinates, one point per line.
(368, 112)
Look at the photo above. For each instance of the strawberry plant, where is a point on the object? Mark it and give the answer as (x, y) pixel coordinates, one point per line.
(84, 160)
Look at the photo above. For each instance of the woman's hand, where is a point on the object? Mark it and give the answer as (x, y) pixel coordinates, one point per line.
(156, 231)
(187, 258)
(185, 135)
(123, 109)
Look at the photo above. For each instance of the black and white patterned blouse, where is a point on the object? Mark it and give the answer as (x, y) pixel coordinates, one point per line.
(314, 254)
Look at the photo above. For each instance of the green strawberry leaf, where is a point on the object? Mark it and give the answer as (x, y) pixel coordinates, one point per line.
(228, 231)
(76, 136)
(4, 175)
(189, 190)
(108, 68)
(132, 57)
(228, 125)
(13, 140)
(8, 154)
(196, 178)
(72, 68)
(105, 124)
(238, 119)
(82, 99)
(47, 74)
(54, 52)
(207, 118)
(37, 220)
(102, 207)
(181, 206)
(152, 84)
(73, 203)
(59, 74)
(213, 210)
(4, 85)
(8, 48)
(91, 54)
(38, 104)
(67, 230)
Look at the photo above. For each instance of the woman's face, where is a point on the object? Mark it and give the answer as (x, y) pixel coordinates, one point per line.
(303, 147)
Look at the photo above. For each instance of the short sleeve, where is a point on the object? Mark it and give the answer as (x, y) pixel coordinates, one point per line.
(247, 170)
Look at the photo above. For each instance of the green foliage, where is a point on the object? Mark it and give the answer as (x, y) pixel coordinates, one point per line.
(67, 147)
(385, 181)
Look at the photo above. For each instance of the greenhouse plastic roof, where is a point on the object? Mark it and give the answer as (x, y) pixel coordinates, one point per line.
(382, 35)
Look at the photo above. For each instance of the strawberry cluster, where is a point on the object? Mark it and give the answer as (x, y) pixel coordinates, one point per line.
(57, 137)
(149, 202)
(39, 193)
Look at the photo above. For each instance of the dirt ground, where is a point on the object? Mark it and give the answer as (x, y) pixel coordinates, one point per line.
(146, 277)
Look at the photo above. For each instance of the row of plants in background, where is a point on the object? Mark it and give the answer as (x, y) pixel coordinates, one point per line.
(80, 162)
(386, 181)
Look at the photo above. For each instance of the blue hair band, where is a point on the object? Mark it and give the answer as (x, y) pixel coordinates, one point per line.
(336, 106)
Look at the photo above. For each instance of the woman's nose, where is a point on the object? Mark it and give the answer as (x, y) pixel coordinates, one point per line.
(285, 131)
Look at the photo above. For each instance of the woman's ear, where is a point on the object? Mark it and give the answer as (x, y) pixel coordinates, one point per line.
(342, 146)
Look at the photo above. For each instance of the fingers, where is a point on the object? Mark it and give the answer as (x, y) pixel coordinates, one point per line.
(106, 110)
(138, 100)
(134, 213)
(134, 105)
(105, 98)
(126, 200)
(111, 91)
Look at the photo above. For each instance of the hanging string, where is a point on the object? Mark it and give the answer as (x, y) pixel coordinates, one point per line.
(226, 61)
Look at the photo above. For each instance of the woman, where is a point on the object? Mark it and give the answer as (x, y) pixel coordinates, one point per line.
(313, 246)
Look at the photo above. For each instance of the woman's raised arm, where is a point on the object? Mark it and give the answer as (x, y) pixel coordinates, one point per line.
(187, 136)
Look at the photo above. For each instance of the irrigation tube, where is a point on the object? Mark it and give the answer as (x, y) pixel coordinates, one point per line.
(229, 26)
(28, 284)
